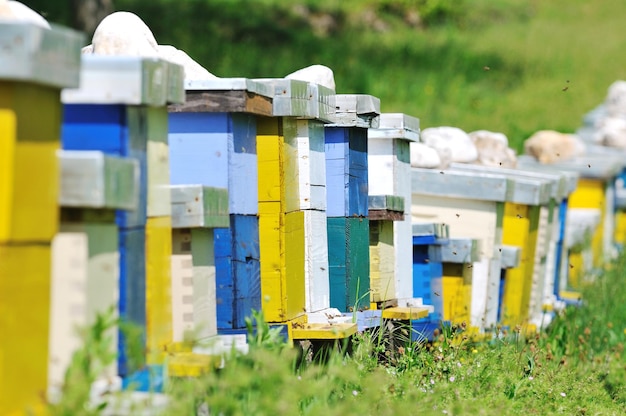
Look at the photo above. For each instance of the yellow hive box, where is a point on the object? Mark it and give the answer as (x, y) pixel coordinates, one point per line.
(30, 123)
(159, 331)
(24, 325)
(457, 292)
(519, 226)
(282, 264)
(590, 193)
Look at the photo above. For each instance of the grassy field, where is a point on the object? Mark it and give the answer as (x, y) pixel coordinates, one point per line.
(576, 367)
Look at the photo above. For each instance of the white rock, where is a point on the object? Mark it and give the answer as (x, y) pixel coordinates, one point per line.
(317, 74)
(16, 11)
(124, 33)
(611, 131)
(549, 146)
(616, 100)
(493, 149)
(455, 140)
(193, 70)
(423, 156)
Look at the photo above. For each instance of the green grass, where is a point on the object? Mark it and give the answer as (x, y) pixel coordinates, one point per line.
(576, 367)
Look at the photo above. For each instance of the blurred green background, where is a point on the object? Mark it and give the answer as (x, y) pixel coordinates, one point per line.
(514, 66)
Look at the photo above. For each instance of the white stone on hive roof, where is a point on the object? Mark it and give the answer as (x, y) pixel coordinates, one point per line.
(123, 33)
(616, 99)
(317, 74)
(610, 131)
(423, 156)
(493, 149)
(549, 146)
(16, 11)
(459, 143)
(193, 70)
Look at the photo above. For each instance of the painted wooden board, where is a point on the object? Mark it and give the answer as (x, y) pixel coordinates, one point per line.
(348, 261)
(115, 130)
(131, 80)
(465, 218)
(520, 228)
(29, 138)
(270, 143)
(24, 324)
(193, 284)
(427, 275)
(538, 283)
(132, 303)
(235, 101)
(382, 262)
(304, 165)
(158, 287)
(158, 163)
(346, 171)
(238, 271)
(306, 254)
(31, 62)
(590, 193)
(85, 282)
(216, 150)
(197, 206)
(457, 293)
(90, 179)
(356, 110)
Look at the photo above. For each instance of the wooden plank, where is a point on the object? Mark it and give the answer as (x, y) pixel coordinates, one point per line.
(85, 282)
(346, 171)
(405, 313)
(590, 193)
(158, 287)
(382, 276)
(30, 138)
(24, 325)
(306, 257)
(520, 229)
(324, 331)
(234, 101)
(457, 293)
(270, 150)
(90, 179)
(305, 165)
(193, 284)
(43, 55)
(132, 301)
(238, 271)
(197, 206)
(158, 165)
(348, 262)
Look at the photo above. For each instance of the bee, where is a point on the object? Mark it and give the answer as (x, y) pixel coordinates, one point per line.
(565, 88)
(436, 293)
(486, 68)
(519, 216)
(441, 172)
(458, 215)
(454, 252)
(469, 266)
(588, 166)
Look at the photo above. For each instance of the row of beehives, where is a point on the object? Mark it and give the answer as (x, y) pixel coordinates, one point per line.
(189, 203)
